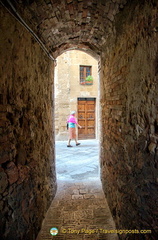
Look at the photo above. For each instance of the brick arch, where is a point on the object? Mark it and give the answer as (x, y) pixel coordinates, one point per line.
(62, 23)
(81, 47)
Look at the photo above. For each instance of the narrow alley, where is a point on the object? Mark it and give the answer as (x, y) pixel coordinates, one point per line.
(79, 209)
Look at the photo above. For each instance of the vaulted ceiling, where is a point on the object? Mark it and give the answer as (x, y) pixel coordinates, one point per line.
(69, 24)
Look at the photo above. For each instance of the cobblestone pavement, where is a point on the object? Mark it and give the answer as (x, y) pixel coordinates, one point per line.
(79, 210)
(78, 163)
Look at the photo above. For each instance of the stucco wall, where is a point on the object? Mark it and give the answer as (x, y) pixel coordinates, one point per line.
(129, 102)
(27, 171)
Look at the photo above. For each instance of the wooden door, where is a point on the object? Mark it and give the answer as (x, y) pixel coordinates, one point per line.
(86, 118)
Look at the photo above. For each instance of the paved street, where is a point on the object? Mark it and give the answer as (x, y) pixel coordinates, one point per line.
(79, 210)
(78, 163)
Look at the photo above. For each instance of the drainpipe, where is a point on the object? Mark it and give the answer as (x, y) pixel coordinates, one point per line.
(20, 19)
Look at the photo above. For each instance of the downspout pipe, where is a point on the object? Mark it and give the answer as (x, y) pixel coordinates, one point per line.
(20, 19)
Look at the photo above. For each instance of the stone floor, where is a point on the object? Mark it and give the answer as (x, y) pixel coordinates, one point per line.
(79, 209)
(78, 163)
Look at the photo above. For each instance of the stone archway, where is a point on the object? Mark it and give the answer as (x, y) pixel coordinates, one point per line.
(69, 89)
(124, 34)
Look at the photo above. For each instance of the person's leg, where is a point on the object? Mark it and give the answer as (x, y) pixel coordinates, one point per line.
(69, 140)
(75, 138)
(70, 137)
(68, 144)
(77, 143)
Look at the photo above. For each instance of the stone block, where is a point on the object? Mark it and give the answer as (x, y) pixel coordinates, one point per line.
(3, 181)
(1, 205)
(77, 197)
(4, 157)
(69, 1)
(23, 173)
(3, 138)
(21, 156)
(89, 196)
(152, 147)
(76, 191)
(83, 191)
(12, 172)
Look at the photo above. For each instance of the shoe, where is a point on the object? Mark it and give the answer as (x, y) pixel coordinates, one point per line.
(78, 144)
(69, 146)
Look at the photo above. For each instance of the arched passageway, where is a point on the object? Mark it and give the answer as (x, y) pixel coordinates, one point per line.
(73, 93)
(124, 34)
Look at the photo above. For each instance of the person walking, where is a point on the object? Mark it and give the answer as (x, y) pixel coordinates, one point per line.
(72, 122)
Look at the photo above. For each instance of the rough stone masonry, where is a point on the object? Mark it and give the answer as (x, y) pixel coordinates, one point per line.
(130, 120)
(27, 171)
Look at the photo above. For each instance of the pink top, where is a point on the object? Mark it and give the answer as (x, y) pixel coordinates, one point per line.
(72, 119)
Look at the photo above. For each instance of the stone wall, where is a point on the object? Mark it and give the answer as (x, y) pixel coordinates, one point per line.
(129, 100)
(27, 171)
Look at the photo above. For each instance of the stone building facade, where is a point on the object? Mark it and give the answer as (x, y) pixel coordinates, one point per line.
(69, 89)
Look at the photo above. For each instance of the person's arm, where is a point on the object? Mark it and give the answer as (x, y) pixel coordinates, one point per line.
(79, 125)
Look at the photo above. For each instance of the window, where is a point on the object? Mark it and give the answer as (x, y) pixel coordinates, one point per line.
(85, 71)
